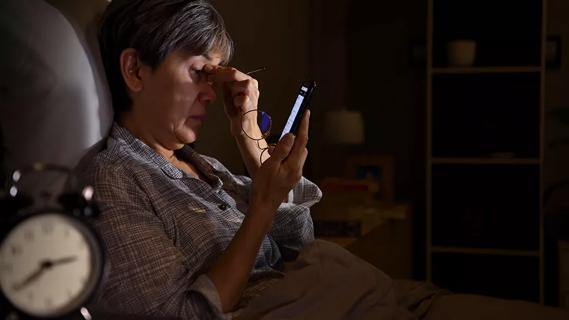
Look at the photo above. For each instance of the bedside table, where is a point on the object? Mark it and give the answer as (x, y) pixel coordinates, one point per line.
(385, 239)
(564, 274)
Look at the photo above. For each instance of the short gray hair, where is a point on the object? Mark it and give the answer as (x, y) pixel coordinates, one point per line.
(155, 28)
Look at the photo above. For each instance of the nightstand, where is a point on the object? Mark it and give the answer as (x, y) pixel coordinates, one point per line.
(564, 274)
(385, 239)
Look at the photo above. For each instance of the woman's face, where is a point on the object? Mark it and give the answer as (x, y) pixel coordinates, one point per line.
(173, 99)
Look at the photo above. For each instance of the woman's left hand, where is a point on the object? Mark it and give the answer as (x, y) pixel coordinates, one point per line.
(240, 94)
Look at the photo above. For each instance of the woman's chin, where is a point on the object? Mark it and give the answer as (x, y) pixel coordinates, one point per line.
(187, 136)
(191, 139)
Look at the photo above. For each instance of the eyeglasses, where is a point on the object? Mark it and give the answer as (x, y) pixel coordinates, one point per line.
(264, 122)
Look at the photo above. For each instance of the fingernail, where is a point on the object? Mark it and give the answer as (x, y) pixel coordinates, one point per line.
(289, 138)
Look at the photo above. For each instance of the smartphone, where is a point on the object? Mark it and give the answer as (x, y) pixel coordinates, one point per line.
(300, 105)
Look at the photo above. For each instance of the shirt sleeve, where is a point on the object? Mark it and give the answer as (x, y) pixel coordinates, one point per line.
(292, 226)
(148, 273)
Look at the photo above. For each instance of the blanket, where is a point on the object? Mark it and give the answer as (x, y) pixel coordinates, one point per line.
(328, 282)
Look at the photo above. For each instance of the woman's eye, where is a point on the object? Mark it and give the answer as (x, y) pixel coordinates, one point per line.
(196, 74)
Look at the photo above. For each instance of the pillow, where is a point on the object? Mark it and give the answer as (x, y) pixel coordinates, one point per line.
(54, 101)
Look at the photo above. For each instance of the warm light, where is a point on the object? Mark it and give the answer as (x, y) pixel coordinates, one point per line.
(88, 193)
(344, 127)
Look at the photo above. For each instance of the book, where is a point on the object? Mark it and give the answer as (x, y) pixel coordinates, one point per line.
(339, 185)
(337, 228)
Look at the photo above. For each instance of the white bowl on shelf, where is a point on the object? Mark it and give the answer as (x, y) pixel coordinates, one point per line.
(461, 53)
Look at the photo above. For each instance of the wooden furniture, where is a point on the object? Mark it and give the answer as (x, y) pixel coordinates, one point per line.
(378, 167)
(386, 234)
(564, 274)
(484, 149)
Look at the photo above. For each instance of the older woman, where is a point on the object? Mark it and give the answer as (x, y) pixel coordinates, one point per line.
(187, 238)
(183, 234)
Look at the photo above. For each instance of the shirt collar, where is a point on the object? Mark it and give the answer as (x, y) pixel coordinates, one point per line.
(187, 153)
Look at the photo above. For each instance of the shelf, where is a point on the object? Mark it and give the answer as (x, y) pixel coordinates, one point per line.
(485, 206)
(501, 252)
(475, 161)
(484, 125)
(477, 70)
(506, 32)
(502, 276)
(480, 115)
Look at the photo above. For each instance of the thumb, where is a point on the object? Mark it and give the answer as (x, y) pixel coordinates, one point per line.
(283, 148)
(271, 148)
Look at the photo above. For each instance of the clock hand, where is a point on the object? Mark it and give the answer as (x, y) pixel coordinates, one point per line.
(32, 277)
(44, 265)
(63, 260)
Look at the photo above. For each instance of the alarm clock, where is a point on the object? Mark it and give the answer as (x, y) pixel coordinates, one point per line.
(51, 260)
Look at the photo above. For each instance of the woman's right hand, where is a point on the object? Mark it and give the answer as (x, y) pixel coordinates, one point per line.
(281, 172)
(271, 183)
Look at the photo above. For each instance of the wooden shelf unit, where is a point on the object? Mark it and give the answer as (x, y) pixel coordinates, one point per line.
(497, 69)
(485, 161)
(520, 253)
(484, 188)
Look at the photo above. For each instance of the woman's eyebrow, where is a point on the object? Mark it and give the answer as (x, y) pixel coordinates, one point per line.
(211, 57)
(200, 72)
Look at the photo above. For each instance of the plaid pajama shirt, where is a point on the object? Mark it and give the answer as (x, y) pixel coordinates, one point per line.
(163, 229)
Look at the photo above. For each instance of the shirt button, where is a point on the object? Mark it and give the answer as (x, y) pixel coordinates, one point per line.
(222, 206)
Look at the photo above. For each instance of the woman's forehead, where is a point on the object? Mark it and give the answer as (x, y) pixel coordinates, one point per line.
(182, 56)
(210, 58)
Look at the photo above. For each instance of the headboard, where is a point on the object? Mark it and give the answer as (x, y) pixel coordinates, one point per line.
(54, 101)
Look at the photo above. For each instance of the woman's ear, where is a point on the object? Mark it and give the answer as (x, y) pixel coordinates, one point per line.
(130, 69)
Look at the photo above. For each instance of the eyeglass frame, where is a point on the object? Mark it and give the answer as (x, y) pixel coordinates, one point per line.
(264, 135)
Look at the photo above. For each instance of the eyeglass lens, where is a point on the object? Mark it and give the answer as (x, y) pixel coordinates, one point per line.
(263, 120)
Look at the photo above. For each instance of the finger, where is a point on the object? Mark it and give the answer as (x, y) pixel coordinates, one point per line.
(297, 157)
(301, 139)
(304, 124)
(294, 166)
(270, 149)
(240, 101)
(218, 74)
(282, 149)
(247, 87)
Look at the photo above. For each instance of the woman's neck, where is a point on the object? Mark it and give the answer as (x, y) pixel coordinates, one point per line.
(128, 121)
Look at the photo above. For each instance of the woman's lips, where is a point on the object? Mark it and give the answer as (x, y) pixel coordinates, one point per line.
(198, 117)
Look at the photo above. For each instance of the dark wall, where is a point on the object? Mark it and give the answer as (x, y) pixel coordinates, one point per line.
(273, 34)
(359, 52)
(361, 60)
(386, 87)
(557, 98)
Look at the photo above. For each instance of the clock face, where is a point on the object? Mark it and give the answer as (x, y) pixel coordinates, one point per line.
(49, 265)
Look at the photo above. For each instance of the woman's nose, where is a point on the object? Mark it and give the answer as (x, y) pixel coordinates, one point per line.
(207, 94)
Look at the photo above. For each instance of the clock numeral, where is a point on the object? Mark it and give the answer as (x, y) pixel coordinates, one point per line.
(47, 228)
(16, 250)
(30, 296)
(66, 233)
(29, 235)
(69, 293)
(48, 302)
